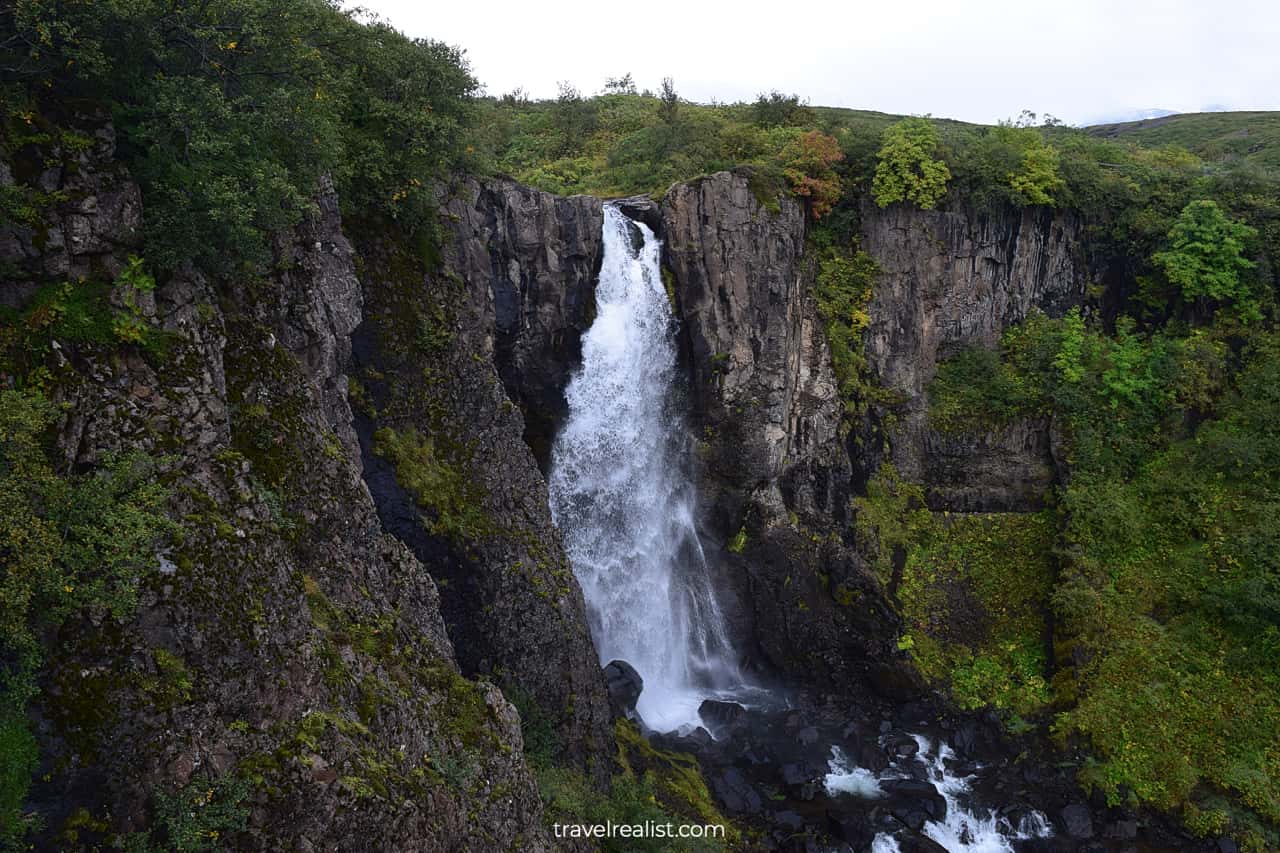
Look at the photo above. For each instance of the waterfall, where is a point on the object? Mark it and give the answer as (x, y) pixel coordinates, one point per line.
(622, 495)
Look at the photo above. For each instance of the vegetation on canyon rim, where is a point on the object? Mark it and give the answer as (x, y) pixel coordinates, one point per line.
(1155, 561)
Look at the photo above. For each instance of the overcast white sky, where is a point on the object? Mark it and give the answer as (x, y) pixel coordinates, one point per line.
(981, 60)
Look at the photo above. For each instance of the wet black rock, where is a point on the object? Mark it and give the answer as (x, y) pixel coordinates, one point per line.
(855, 829)
(1076, 821)
(908, 796)
(734, 790)
(1122, 830)
(799, 773)
(722, 718)
(901, 746)
(624, 685)
(641, 208)
(920, 844)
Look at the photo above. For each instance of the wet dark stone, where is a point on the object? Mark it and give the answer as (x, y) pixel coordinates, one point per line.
(872, 757)
(854, 829)
(965, 740)
(901, 746)
(920, 844)
(1122, 830)
(912, 818)
(624, 685)
(798, 773)
(735, 791)
(915, 794)
(1076, 821)
(722, 718)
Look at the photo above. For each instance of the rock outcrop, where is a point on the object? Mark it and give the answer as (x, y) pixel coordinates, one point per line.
(954, 279)
(288, 658)
(453, 356)
(773, 471)
(532, 258)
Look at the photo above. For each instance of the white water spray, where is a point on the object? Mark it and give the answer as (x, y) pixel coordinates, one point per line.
(621, 494)
(963, 830)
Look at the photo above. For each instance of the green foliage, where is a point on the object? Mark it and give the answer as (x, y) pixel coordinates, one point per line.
(452, 497)
(1167, 607)
(654, 785)
(230, 112)
(1005, 165)
(807, 163)
(890, 519)
(69, 545)
(778, 110)
(1205, 259)
(974, 595)
(204, 815)
(1251, 138)
(739, 541)
(907, 170)
(843, 292)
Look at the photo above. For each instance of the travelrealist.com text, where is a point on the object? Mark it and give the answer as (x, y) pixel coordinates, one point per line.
(648, 829)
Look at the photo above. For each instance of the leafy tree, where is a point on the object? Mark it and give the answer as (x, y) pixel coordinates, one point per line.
(1005, 164)
(669, 101)
(777, 110)
(907, 170)
(1036, 179)
(1205, 259)
(574, 119)
(807, 163)
(623, 85)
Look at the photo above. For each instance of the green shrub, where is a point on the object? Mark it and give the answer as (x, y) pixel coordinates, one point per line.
(454, 499)
(907, 170)
(70, 545)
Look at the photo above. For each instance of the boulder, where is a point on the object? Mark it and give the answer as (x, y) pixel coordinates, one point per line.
(722, 718)
(624, 685)
(1076, 821)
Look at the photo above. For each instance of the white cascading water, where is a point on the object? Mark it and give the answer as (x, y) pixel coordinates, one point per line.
(963, 830)
(621, 494)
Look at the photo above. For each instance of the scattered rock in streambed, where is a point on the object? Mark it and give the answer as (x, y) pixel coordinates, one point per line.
(1076, 821)
(733, 789)
(722, 718)
(624, 685)
(911, 796)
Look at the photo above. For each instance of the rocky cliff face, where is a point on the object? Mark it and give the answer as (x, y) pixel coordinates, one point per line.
(285, 639)
(773, 470)
(955, 279)
(533, 257)
(455, 355)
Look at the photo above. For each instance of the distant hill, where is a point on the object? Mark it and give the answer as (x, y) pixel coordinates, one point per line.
(1132, 115)
(1251, 136)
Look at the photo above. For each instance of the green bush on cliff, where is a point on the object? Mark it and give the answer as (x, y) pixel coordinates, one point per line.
(843, 292)
(907, 169)
(70, 545)
(1205, 259)
(452, 497)
(1005, 165)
